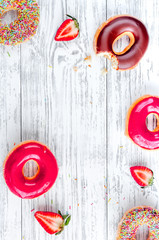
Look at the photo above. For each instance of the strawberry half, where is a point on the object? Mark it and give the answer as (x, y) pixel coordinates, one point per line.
(142, 175)
(68, 30)
(53, 223)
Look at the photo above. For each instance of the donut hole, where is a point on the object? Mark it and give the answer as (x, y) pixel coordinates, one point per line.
(152, 122)
(142, 233)
(30, 169)
(9, 16)
(123, 43)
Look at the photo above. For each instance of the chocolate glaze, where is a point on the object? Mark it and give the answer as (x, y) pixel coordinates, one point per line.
(30, 188)
(137, 128)
(115, 28)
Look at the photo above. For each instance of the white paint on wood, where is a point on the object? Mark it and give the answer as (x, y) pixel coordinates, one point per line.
(80, 115)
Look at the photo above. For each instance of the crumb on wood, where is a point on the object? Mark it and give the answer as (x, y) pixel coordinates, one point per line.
(104, 71)
(75, 68)
(88, 59)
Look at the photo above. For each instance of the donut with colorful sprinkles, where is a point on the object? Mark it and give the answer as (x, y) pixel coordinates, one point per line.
(24, 26)
(137, 217)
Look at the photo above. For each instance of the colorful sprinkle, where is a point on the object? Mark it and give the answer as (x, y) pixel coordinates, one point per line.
(8, 54)
(24, 26)
(32, 210)
(109, 200)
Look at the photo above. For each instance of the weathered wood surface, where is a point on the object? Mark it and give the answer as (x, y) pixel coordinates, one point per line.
(80, 115)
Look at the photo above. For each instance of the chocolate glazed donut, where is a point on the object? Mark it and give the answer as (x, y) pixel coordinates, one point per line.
(113, 29)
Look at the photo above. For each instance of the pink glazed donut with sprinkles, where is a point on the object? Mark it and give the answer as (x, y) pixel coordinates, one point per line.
(13, 170)
(136, 128)
(24, 26)
(135, 218)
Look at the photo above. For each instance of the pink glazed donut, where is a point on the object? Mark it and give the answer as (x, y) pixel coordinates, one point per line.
(42, 181)
(136, 127)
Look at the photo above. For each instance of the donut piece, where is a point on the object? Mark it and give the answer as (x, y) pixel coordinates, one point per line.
(113, 29)
(24, 26)
(135, 218)
(136, 127)
(26, 187)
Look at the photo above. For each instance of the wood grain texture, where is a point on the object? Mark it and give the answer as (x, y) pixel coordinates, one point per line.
(66, 110)
(50, 94)
(10, 206)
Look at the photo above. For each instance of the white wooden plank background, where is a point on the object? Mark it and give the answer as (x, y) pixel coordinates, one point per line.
(81, 117)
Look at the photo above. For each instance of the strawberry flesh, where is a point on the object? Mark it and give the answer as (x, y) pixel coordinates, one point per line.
(51, 222)
(68, 30)
(142, 175)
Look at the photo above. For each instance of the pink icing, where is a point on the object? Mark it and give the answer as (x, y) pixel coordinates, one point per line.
(137, 128)
(43, 181)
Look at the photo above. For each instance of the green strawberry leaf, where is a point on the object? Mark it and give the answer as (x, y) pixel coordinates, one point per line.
(59, 212)
(65, 216)
(67, 220)
(58, 232)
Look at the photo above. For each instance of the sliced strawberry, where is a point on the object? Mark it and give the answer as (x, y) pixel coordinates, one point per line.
(53, 223)
(68, 30)
(142, 175)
